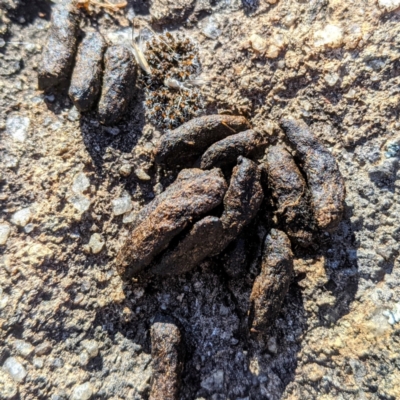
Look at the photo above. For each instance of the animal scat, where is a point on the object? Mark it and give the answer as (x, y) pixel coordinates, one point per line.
(190, 199)
(86, 78)
(59, 52)
(190, 140)
(324, 179)
(120, 70)
(191, 249)
(226, 151)
(290, 194)
(167, 353)
(243, 197)
(272, 285)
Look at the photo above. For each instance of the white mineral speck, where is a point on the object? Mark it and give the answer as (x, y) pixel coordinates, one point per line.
(92, 347)
(23, 348)
(3, 301)
(96, 243)
(331, 36)
(258, 43)
(122, 205)
(4, 233)
(210, 29)
(389, 5)
(17, 127)
(331, 78)
(73, 114)
(15, 369)
(21, 217)
(81, 203)
(80, 183)
(82, 392)
(129, 217)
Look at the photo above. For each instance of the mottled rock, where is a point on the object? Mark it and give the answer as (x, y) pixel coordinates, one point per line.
(290, 194)
(186, 200)
(271, 286)
(122, 204)
(226, 151)
(82, 392)
(190, 140)
(191, 250)
(86, 78)
(15, 369)
(59, 52)
(167, 358)
(324, 179)
(80, 183)
(21, 217)
(118, 84)
(17, 127)
(23, 348)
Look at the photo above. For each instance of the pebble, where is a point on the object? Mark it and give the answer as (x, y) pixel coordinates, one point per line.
(258, 43)
(23, 348)
(29, 228)
(8, 388)
(73, 114)
(122, 205)
(22, 217)
(80, 202)
(43, 348)
(15, 369)
(129, 217)
(80, 183)
(4, 233)
(142, 175)
(96, 243)
(84, 358)
(331, 79)
(92, 347)
(125, 170)
(210, 29)
(17, 127)
(331, 36)
(82, 392)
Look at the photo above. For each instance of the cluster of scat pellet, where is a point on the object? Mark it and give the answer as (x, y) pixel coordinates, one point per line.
(172, 58)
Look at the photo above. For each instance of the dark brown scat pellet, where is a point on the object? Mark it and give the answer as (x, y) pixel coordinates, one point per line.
(184, 144)
(226, 151)
(243, 197)
(167, 352)
(60, 49)
(119, 80)
(199, 243)
(290, 194)
(86, 78)
(324, 179)
(191, 199)
(272, 285)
